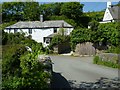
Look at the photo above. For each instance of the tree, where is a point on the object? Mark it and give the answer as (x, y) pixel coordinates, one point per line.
(72, 10)
(106, 33)
(59, 39)
(18, 11)
(94, 31)
(21, 69)
(97, 16)
(12, 11)
(50, 9)
(31, 11)
(79, 36)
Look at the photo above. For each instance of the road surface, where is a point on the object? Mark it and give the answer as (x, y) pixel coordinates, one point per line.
(70, 71)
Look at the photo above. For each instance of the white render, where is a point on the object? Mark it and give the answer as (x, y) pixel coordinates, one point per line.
(107, 16)
(109, 4)
(39, 34)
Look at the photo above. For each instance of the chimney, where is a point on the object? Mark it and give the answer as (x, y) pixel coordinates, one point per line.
(109, 4)
(41, 18)
(62, 24)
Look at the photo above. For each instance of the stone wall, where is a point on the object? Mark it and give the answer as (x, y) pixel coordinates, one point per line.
(110, 57)
(86, 48)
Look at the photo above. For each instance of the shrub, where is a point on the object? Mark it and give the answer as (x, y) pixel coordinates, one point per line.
(58, 39)
(11, 61)
(20, 68)
(96, 59)
(114, 49)
(79, 36)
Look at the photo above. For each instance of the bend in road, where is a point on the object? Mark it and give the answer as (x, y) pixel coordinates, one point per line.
(74, 70)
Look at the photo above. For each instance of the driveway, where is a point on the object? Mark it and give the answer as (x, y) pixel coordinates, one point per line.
(70, 71)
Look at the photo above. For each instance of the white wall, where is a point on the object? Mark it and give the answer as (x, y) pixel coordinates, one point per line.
(69, 31)
(18, 30)
(38, 34)
(107, 16)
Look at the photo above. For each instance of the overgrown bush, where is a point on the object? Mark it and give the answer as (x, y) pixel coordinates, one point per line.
(21, 70)
(96, 59)
(58, 39)
(100, 34)
(114, 49)
(79, 36)
(11, 59)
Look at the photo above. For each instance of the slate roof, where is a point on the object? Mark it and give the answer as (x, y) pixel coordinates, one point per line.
(115, 12)
(38, 24)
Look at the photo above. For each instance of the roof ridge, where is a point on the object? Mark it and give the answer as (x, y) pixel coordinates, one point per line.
(38, 24)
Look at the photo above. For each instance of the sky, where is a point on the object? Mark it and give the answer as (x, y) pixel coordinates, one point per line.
(89, 5)
(95, 6)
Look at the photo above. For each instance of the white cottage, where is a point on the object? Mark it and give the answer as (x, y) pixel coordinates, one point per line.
(41, 31)
(112, 13)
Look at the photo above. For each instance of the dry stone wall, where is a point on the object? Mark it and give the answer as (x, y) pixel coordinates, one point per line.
(110, 57)
(86, 48)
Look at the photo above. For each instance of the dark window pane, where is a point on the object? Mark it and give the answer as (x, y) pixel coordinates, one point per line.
(55, 30)
(15, 30)
(30, 31)
(43, 39)
(47, 40)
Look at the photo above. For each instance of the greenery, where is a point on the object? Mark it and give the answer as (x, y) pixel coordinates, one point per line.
(58, 39)
(110, 33)
(21, 68)
(113, 49)
(99, 61)
(4, 25)
(106, 34)
(79, 36)
(71, 12)
(16, 11)
(97, 16)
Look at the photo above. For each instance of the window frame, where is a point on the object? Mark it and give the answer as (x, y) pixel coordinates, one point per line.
(47, 40)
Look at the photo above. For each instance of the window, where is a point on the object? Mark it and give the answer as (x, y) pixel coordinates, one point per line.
(15, 30)
(44, 39)
(9, 30)
(47, 40)
(30, 31)
(55, 30)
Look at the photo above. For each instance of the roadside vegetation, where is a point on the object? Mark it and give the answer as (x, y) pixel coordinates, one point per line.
(20, 68)
(99, 61)
(104, 34)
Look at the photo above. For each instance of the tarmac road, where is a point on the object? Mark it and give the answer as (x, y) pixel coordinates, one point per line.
(70, 71)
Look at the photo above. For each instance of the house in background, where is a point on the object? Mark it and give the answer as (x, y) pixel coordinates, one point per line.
(40, 31)
(112, 13)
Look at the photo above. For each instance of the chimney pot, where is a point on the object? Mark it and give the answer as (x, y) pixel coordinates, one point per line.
(109, 4)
